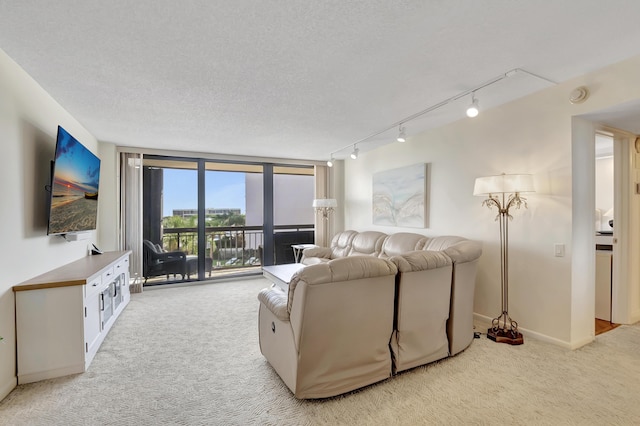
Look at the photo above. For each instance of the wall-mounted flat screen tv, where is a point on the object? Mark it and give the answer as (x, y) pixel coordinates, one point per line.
(74, 187)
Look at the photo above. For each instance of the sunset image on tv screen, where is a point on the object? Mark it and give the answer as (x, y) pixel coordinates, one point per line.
(74, 198)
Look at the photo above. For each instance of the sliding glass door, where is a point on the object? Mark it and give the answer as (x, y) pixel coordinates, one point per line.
(233, 230)
(170, 220)
(205, 219)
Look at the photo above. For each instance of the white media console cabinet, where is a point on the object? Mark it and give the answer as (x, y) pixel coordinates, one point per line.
(63, 316)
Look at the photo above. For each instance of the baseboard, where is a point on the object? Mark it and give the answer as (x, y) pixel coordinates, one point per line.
(7, 387)
(51, 374)
(483, 322)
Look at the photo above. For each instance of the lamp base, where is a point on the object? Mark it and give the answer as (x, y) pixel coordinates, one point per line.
(511, 337)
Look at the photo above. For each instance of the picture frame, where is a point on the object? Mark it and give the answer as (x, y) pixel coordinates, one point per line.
(400, 196)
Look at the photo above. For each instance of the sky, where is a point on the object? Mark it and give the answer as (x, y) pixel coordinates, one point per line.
(222, 190)
(75, 167)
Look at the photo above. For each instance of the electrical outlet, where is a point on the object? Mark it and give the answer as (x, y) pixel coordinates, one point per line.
(559, 250)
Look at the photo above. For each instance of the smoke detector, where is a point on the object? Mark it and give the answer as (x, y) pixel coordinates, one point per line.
(579, 95)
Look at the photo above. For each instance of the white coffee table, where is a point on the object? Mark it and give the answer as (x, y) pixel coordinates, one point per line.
(280, 275)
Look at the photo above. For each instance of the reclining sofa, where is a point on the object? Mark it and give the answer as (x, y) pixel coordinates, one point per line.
(330, 333)
(425, 315)
(463, 254)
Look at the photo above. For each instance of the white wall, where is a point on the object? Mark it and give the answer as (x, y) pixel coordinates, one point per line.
(108, 223)
(29, 118)
(530, 135)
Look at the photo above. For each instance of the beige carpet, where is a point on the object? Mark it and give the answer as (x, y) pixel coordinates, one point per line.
(190, 356)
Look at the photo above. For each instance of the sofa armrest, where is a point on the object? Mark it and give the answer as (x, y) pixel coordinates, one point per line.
(324, 252)
(421, 260)
(275, 301)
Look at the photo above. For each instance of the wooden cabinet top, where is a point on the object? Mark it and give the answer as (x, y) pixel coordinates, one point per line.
(74, 273)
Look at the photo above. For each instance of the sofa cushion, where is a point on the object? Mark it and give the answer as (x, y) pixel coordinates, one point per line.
(367, 243)
(402, 242)
(341, 243)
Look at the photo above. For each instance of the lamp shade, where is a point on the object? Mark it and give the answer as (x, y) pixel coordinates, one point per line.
(325, 203)
(503, 184)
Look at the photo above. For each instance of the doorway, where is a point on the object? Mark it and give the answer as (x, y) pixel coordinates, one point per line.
(604, 202)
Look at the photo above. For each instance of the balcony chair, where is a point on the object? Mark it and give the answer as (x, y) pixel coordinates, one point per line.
(157, 262)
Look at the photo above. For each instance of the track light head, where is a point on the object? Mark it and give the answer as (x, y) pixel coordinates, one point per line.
(330, 162)
(354, 154)
(474, 108)
(401, 135)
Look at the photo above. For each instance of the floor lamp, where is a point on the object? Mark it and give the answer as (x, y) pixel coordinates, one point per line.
(325, 206)
(503, 192)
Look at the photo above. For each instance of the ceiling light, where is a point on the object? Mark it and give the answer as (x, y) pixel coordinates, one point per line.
(354, 154)
(330, 161)
(473, 109)
(401, 135)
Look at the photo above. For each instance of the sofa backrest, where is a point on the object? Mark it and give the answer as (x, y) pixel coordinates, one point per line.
(421, 260)
(341, 243)
(367, 243)
(342, 269)
(402, 242)
(457, 248)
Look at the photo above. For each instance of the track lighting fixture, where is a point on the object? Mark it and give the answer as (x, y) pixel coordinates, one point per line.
(472, 111)
(354, 154)
(401, 136)
(474, 108)
(330, 161)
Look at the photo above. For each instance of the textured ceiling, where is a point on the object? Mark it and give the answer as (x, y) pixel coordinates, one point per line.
(298, 79)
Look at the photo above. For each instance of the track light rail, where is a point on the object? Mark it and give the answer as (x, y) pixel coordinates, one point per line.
(445, 102)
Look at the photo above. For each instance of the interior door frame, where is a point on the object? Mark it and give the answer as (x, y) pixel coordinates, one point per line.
(625, 274)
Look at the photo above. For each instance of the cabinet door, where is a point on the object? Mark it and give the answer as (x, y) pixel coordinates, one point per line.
(92, 323)
(122, 269)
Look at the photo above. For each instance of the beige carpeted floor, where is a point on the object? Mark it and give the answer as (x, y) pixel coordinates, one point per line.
(190, 356)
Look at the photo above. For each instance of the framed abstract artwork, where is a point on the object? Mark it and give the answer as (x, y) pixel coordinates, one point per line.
(400, 197)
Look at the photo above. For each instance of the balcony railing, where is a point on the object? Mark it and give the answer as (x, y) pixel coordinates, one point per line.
(227, 246)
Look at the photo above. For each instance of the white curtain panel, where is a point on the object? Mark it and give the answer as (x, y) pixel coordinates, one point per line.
(323, 227)
(131, 213)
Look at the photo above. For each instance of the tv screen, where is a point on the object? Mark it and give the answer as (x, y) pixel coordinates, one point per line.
(74, 187)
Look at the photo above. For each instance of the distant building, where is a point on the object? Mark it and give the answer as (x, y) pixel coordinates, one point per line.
(207, 212)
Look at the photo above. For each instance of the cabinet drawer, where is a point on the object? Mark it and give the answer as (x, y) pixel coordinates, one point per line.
(108, 275)
(94, 286)
(122, 266)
